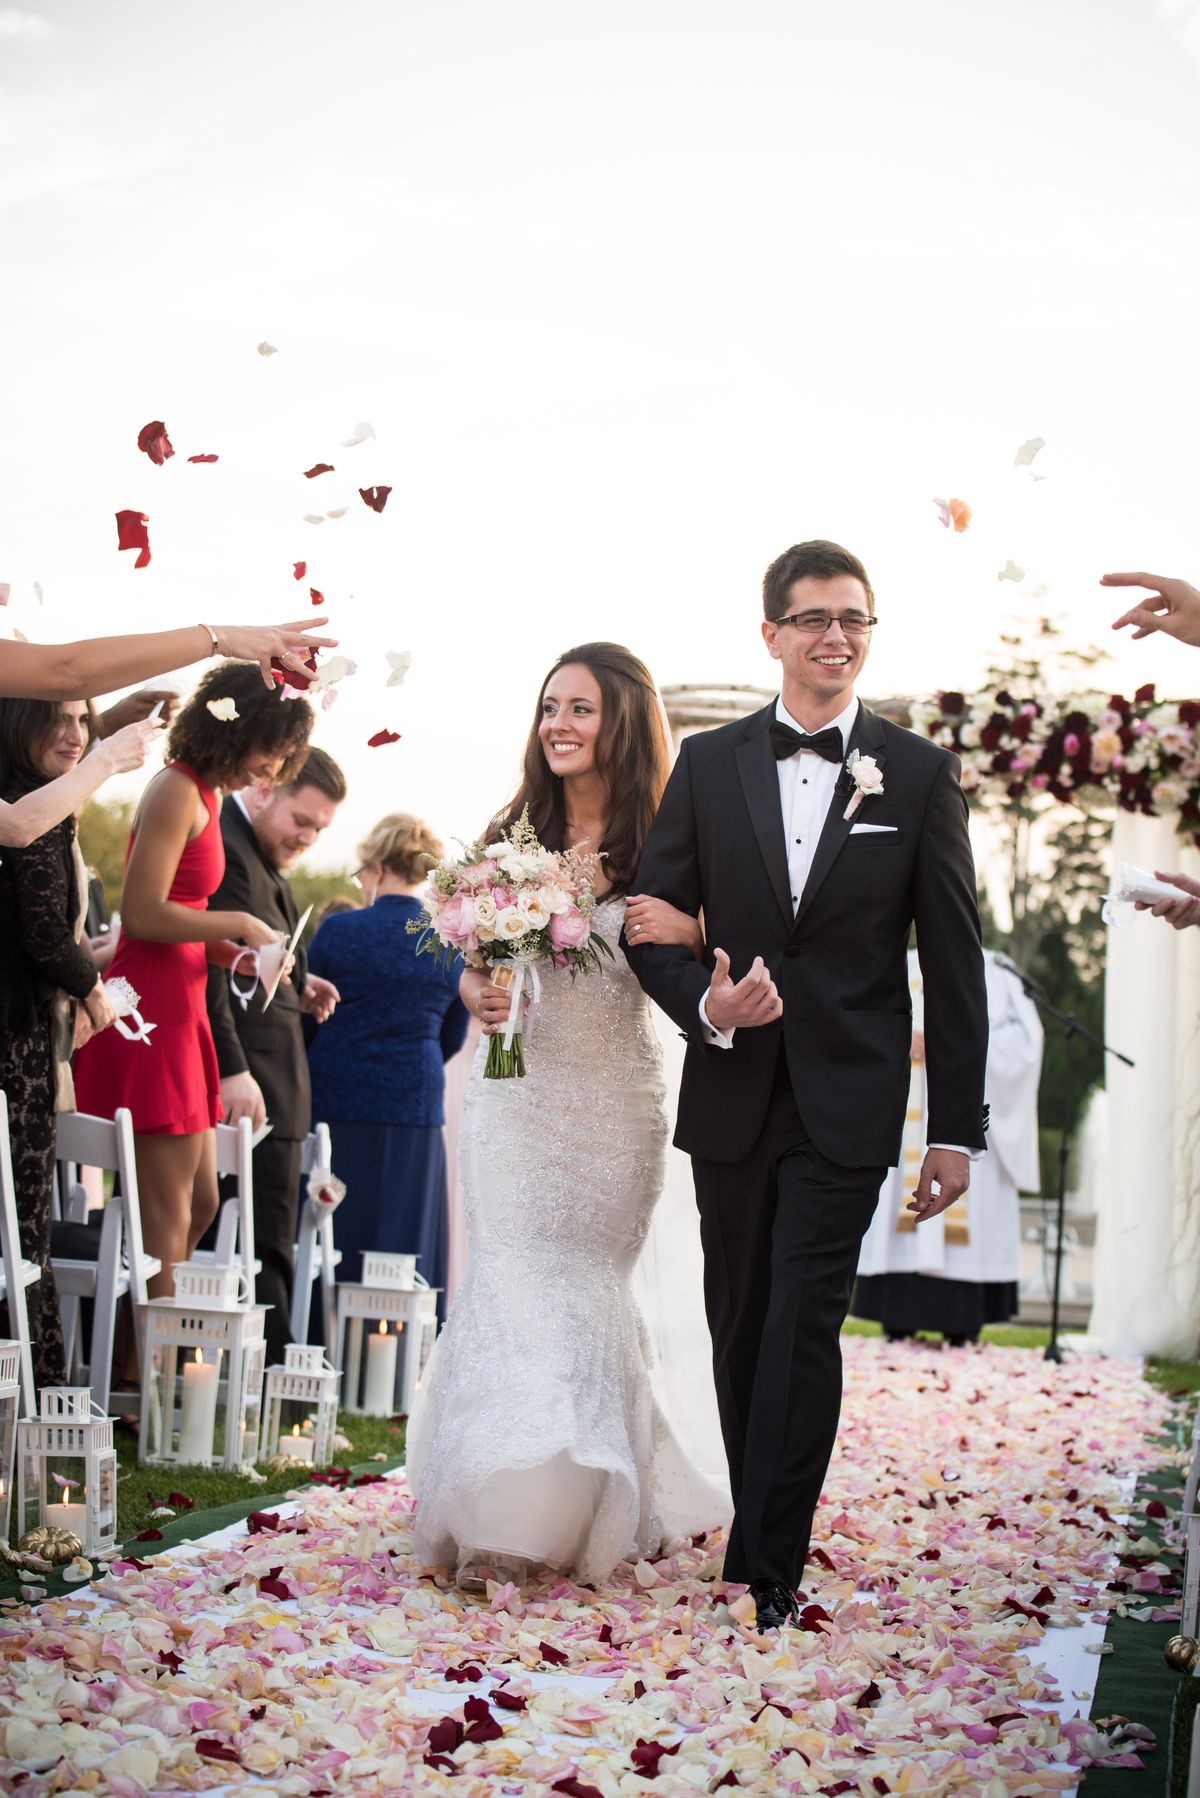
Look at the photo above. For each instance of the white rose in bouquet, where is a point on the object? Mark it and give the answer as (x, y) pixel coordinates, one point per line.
(510, 925)
(486, 913)
(533, 908)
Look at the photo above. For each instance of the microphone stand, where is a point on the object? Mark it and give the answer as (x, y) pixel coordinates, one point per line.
(1071, 1029)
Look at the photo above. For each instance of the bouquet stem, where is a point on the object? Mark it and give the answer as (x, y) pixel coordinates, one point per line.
(502, 1063)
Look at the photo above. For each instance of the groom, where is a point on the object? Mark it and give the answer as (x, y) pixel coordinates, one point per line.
(812, 836)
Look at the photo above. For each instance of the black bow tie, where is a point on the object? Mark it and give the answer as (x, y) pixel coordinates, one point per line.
(785, 741)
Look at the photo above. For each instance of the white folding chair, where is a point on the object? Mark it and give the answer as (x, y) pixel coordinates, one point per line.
(316, 1257)
(15, 1272)
(105, 1263)
(236, 1144)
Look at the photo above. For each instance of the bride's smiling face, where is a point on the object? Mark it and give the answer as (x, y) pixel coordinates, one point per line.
(571, 720)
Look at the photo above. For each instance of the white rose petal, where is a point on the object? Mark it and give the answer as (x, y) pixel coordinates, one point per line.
(224, 710)
(510, 925)
(360, 434)
(267, 349)
(399, 661)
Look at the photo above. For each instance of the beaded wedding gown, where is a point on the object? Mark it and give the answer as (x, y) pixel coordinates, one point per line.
(536, 1433)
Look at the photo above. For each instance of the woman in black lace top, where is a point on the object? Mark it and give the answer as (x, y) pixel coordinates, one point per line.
(43, 973)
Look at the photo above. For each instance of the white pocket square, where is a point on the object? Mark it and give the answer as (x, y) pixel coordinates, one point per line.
(862, 830)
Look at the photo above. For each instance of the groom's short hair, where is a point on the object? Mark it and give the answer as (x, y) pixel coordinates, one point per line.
(821, 560)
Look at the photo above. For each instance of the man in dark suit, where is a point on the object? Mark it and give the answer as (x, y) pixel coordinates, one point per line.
(260, 1050)
(811, 836)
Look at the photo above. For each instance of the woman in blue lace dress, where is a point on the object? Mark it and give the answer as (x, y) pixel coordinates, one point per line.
(378, 1063)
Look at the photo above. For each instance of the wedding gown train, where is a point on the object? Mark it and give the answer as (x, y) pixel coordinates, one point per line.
(536, 1434)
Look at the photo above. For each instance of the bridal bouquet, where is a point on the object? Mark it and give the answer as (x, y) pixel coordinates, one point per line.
(506, 906)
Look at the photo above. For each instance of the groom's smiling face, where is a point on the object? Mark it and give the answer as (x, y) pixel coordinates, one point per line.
(819, 667)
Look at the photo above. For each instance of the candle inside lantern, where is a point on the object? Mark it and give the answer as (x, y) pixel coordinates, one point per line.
(381, 1373)
(198, 1412)
(299, 1447)
(68, 1516)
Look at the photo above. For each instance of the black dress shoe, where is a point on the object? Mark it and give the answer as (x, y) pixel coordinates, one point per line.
(774, 1603)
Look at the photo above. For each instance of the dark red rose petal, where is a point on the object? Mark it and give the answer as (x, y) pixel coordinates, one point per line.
(212, 1750)
(553, 1656)
(292, 677)
(486, 1730)
(299, 570)
(262, 1520)
(647, 1755)
(179, 1501)
(168, 1658)
(442, 1762)
(475, 1710)
(202, 458)
(730, 1779)
(318, 468)
(149, 1536)
(154, 440)
(131, 1561)
(466, 1675)
(1156, 1508)
(575, 1787)
(869, 1696)
(133, 532)
(446, 1735)
(317, 597)
(605, 1633)
(376, 742)
(375, 497)
(274, 1588)
(812, 1617)
(508, 1701)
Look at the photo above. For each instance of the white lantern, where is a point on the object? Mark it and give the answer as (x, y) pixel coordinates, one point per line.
(307, 1379)
(203, 1370)
(68, 1469)
(10, 1389)
(398, 1313)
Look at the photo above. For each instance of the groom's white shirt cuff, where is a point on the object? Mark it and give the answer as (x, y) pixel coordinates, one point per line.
(716, 1039)
(971, 1154)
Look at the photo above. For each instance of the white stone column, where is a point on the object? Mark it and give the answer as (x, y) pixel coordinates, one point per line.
(1147, 1258)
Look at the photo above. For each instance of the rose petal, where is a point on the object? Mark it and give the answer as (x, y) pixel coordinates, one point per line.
(267, 349)
(381, 737)
(375, 497)
(133, 532)
(154, 441)
(203, 458)
(318, 468)
(299, 570)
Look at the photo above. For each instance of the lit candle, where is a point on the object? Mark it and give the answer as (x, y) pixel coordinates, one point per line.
(68, 1517)
(299, 1447)
(198, 1412)
(381, 1373)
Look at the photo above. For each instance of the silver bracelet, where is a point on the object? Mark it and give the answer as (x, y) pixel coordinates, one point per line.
(216, 647)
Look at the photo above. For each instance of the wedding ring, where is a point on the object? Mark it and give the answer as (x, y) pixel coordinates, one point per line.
(637, 930)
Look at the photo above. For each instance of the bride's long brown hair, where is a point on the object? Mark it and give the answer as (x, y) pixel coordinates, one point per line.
(633, 758)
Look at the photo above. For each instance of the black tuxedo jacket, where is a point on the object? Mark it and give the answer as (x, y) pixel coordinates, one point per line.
(718, 846)
(268, 1043)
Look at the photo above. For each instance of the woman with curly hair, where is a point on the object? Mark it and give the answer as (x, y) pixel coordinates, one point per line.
(168, 936)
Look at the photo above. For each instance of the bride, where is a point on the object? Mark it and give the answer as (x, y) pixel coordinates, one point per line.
(536, 1440)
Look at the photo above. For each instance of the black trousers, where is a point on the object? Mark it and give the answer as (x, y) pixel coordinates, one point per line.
(781, 1232)
(276, 1198)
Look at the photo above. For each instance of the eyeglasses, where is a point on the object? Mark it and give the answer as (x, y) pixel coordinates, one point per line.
(815, 624)
(356, 878)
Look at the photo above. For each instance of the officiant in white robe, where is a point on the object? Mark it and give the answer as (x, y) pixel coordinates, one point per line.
(960, 1271)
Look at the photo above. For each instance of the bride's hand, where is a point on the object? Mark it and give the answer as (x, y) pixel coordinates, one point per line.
(490, 1004)
(650, 920)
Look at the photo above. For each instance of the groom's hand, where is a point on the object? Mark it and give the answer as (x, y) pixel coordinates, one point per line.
(737, 1005)
(952, 1174)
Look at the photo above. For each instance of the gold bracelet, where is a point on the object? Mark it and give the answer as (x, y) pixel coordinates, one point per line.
(216, 647)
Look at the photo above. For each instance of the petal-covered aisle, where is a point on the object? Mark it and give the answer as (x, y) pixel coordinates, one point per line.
(970, 1507)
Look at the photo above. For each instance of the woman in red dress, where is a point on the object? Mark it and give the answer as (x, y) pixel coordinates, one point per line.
(168, 936)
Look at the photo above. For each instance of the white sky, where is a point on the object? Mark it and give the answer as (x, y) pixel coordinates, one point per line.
(635, 295)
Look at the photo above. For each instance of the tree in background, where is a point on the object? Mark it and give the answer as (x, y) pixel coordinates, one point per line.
(104, 837)
(1053, 869)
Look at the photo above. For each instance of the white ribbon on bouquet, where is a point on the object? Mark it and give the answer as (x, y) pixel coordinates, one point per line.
(518, 971)
(124, 1002)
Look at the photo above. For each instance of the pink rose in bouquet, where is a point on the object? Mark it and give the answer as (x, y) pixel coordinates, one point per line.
(568, 929)
(456, 922)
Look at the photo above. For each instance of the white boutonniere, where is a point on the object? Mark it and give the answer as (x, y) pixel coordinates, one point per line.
(867, 776)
